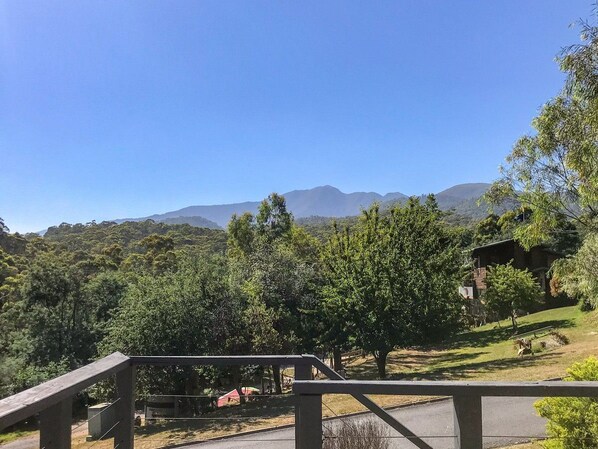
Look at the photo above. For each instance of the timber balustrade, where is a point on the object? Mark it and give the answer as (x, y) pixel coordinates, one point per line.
(52, 400)
(467, 401)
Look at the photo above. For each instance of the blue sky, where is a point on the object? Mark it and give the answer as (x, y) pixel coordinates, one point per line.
(111, 109)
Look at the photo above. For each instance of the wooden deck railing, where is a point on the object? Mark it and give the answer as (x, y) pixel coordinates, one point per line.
(52, 400)
(467, 401)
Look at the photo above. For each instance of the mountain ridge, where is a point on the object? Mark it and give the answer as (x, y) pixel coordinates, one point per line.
(321, 201)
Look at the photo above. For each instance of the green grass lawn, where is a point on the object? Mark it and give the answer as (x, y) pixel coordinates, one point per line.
(489, 352)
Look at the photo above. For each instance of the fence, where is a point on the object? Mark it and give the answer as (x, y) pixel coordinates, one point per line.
(467, 402)
(53, 400)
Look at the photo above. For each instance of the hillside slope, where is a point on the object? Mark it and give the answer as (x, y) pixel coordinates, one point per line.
(324, 201)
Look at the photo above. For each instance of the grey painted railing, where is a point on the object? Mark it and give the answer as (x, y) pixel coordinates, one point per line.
(53, 399)
(467, 401)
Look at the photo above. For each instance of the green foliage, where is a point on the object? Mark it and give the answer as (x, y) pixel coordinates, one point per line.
(554, 172)
(577, 275)
(95, 237)
(23, 375)
(241, 234)
(572, 422)
(509, 290)
(487, 230)
(59, 316)
(7, 267)
(186, 312)
(273, 220)
(392, 281)
(275, 264)
(322, 228)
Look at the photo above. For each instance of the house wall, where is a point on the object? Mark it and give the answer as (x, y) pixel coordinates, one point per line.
(538, 260)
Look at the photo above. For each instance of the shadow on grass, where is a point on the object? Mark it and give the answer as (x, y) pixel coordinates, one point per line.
(478, 339)
(410, 362)
(223, 421)
(468, 370)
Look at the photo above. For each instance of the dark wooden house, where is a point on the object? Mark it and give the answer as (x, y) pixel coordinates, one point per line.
(537, 260)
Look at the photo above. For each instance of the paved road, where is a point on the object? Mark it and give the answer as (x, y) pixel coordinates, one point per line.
(505, 421)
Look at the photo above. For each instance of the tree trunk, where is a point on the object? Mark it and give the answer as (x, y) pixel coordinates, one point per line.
(381, 363)
(337, 358)
(236, 371)
(514, 321)
(276, 375)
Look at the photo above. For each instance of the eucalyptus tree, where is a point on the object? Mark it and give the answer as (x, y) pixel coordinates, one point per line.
(274, 264)
(554, 171)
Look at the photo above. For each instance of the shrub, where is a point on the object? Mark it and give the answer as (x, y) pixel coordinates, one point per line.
(578, 275)
(562, 339)
(357, 435)
(572, 422)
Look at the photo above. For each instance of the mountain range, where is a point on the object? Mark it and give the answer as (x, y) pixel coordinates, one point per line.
(324, 201)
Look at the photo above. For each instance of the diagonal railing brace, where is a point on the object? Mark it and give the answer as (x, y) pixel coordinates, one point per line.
(372, 406)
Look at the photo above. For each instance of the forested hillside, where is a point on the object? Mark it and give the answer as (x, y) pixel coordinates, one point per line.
(95, 237)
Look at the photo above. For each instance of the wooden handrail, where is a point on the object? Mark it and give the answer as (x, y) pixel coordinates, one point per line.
(467, 401)
(373, 407)
(34, 400)
(226, 360)
(449, 388)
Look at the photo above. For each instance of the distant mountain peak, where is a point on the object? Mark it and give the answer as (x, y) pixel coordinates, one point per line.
(322, 201)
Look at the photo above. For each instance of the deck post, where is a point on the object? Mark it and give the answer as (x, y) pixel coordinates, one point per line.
(55, 425)
(468, 421)
(302, 372)
(308, 413)
(308, 421)
(125, 409)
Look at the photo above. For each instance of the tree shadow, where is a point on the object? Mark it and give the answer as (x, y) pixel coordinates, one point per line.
(469, 370)
(410, 362)
(498, 334)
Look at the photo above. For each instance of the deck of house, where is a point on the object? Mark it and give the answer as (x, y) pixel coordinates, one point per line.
(52, 400)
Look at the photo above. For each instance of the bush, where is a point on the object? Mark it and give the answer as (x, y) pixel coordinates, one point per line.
(562, 339)
(357, 435)
(572, 422)
(578, 275)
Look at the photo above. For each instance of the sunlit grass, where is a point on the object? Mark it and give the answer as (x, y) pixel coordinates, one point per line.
(12, 436)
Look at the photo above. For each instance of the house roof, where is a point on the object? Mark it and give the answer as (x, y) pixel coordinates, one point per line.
(502, 242)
